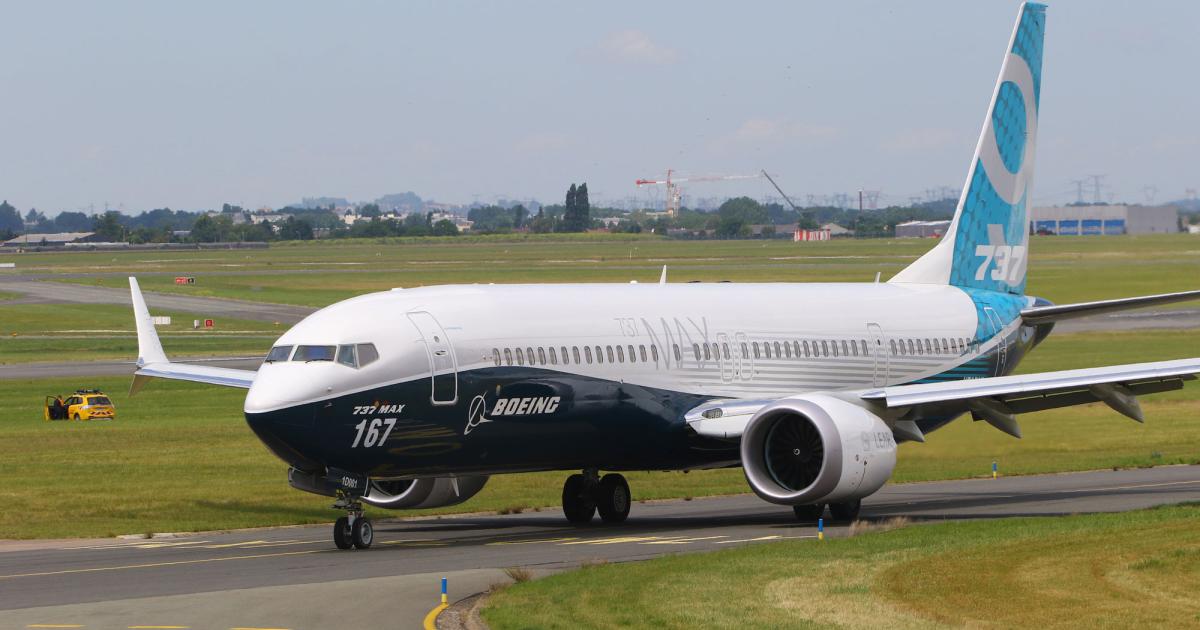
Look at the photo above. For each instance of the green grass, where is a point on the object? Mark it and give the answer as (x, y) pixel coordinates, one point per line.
(1133, 569)
(60, 332)
(1062, 269)
(179, 456)
(8, 295)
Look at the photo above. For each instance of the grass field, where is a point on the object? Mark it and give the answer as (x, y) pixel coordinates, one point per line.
(1134, 569)
(179, 457)
(61, 332)
(319, 273)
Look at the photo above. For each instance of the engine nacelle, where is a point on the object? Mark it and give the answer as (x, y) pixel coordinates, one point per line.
(411, 494)
(816, 449)
(401, 494)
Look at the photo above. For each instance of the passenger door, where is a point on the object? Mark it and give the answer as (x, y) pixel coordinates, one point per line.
(875, 342)
(443, 366)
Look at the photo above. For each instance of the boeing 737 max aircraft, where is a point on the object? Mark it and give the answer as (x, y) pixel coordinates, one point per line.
(412, 398)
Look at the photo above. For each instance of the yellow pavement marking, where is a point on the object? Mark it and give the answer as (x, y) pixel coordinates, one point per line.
(430, 622)
(260, 629)
(613, 541)
(158, 627)
(682, 541)
(532, 542)
(150, 565)
(726, 542)
(54, 625)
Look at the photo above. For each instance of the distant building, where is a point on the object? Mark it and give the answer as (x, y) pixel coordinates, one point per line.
(837, 230)
(922, 229)
(1105, 220)
(61, 238)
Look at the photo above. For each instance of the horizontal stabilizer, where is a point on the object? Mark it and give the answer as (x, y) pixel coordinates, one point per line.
(1059, 312)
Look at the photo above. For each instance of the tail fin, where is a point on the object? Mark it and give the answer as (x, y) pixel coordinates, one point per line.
(987, 244)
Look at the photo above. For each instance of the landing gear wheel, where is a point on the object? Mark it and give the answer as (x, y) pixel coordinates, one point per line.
(578, 504)
(809, 513)
(363, 533)
(612, 499)
(845, 512)
(342, 536)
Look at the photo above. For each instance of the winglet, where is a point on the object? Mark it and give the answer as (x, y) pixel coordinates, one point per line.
(149, 348)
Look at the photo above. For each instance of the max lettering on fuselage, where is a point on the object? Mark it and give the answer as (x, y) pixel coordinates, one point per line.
(526, 406)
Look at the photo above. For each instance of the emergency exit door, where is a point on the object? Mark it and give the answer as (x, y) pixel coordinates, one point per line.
(443, 367)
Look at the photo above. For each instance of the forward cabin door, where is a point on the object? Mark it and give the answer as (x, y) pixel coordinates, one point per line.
(442, 364)
(875, 343)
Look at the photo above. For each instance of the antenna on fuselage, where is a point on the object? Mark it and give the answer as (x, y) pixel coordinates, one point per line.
(663, 278)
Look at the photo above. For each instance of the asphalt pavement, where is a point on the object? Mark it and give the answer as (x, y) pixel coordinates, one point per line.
(294, 578)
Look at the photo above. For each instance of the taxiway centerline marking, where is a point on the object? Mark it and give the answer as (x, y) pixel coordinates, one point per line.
(150, 565)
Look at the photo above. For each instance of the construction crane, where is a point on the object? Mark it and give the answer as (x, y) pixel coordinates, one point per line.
(674, 194)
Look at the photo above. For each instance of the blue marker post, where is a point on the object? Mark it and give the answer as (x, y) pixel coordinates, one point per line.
(993, 469)
(820, 529)
(443, 591)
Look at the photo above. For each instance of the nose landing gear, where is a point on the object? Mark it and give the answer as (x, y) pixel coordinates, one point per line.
(353, 530)
(587, 493)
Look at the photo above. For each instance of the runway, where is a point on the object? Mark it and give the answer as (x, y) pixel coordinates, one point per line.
(294, 578)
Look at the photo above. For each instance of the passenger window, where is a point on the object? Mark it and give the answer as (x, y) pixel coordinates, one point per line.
(778, 351)
(864, 347)
(707, 354)
(755, 346)
(696, 351)
(610, 354)
(745, 350)
(600, 355)
(678, 355)
(520, 357)
(553, 356)
(937, 347)
(279, 353)
(642, 351)
(845, 350)
(575, 354)
(566, 358)
(345, 356)
(788, 347)
(654, 353)
(314, 353)
(508, 356)
(892, 343)
(834, 344)
(928, 348)
(716, 351)
(529, 354)
(853, 348)
(633, 355)
(824, 348)
(620, 355)
(805, 346)
(587, 350)
(541, 355)
(496, 356)
(911, 350)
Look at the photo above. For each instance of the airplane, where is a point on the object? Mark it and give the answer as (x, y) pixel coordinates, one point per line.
(412, 398)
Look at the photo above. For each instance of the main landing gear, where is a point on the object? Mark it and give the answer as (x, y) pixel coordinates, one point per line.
(585, 494)
(354, 529)
(846, 512)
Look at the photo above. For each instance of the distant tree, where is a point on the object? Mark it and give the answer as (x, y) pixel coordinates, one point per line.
(72, 222)
(369, 210)
(445, 227)
(569, 210)
(10, 219)
(293, 229)
(205, 230)
(583, 209)
(519, 215)
(231, 209)
(737, 215)
(108, 227)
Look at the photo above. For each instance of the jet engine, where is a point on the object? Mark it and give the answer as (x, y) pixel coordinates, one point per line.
(816, 448)
(409, 494)
(398, 494)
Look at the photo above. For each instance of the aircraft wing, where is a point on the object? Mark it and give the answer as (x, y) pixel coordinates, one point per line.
(996, 400)
(152, 362)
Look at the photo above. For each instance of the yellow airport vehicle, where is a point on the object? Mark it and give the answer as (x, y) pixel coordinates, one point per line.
(84, 404)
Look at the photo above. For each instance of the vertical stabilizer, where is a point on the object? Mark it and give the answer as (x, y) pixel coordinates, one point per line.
(987, 243)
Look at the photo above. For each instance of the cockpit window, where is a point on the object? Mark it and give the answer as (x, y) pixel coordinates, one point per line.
(279, 353)
(314, 353)
(367, 354)
(345, 356)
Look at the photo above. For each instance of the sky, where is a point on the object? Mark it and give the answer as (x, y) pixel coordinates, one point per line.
(140, 105)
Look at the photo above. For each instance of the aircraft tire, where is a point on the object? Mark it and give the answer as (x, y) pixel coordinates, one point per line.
(342, 536)
(845, 512)
(363, 533)
(809, 513)
(578, 504)
(613, 498)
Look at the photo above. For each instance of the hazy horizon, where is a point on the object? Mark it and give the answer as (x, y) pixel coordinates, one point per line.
(144, 105)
